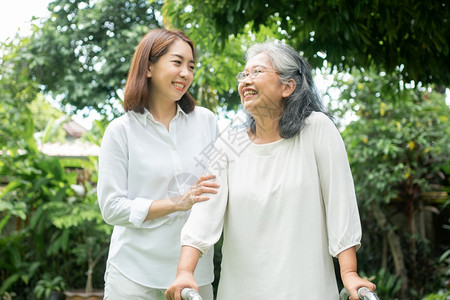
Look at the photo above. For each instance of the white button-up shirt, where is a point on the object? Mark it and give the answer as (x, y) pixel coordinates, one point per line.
(141, 161)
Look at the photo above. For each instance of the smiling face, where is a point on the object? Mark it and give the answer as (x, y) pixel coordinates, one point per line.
(262, 95)
(171, 76)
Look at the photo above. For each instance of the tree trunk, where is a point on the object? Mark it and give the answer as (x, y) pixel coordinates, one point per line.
(88, 287)
(395, 247)
(384, 254)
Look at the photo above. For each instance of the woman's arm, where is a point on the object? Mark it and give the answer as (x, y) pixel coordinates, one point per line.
(343, 223)
(185, 273)
(112, 188)
(336, 183)
(349, 275)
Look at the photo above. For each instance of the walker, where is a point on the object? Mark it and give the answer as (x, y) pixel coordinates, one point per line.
(363, 293)
(190, 294)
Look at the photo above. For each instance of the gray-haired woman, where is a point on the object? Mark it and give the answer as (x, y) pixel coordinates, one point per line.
(287, 204)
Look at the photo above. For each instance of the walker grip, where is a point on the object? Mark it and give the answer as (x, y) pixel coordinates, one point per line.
(190, 294)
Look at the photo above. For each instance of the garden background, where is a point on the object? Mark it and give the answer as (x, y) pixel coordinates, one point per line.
(383, 71)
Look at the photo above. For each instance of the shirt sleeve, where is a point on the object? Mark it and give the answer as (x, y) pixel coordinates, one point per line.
(338, 192)
(112, 192)
(204, 226)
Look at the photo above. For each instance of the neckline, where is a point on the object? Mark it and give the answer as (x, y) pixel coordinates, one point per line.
(265, 149)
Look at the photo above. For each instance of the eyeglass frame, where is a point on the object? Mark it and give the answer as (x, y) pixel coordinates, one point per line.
(254, 73)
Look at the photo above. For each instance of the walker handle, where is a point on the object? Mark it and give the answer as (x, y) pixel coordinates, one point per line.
(363, 293)
(190, 294)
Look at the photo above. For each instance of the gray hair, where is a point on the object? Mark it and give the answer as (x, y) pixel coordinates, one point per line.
(305, 98)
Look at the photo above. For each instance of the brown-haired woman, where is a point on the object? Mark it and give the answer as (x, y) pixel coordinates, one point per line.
(150, 170)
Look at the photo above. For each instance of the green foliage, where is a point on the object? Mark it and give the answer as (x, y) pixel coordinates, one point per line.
(401, 135)
(61, 228)
(17, 90)
(388, 285)
(82, 53)
(35, 184)
(47, 284)
(441, 295)
(445, 261)
(219, 59)
(386, 34)
(53, 131)
(42, 111)
(398, 146)
(48, 208)
(95, 135)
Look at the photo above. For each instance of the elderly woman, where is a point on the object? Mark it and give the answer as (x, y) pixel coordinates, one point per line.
(287, 203)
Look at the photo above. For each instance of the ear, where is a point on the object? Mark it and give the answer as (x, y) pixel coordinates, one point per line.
(149, 71)
(289, 88)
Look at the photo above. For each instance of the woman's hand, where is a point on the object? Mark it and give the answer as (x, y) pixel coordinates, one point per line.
(353, 282)
(184, 279)
(349, 276)
(196, 193)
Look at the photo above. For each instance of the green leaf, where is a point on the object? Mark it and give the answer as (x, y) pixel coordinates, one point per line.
(8, 283)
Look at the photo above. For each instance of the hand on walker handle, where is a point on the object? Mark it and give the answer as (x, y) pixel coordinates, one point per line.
(186, 294)
(190, 294)
(184, 281)
(363, 293)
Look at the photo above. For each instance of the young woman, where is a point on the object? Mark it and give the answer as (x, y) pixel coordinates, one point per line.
(287, 204)
(150, 170)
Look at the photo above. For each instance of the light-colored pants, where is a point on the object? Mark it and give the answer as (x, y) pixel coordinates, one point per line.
(119, 287)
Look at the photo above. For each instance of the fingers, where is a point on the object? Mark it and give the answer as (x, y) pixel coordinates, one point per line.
(204, 186)
(354, 295)
(173, 294)
(198, 192)
(200, 199)
(196, 195)
(168, 295)
(176, 294)
(370, 285)
(204, 178)
(211, 184)
(203, 190)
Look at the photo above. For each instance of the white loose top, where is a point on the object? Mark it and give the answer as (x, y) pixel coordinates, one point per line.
(286, 208)
(141, 161)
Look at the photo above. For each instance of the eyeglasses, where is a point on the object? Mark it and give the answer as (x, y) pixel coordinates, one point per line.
(253, 74)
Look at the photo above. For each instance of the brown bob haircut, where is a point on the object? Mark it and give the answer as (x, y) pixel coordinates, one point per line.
(153, 45)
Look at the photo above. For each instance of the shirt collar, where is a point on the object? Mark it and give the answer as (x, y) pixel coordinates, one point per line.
(148, 115)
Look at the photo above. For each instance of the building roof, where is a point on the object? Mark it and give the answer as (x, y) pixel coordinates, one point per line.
(73, 146)
(74, 129)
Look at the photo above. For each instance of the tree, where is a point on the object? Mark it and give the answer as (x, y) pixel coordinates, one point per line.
(17, 90)
(81, 54)
(412, 36)
(398, 148)
(42, 112)
(41, 213)
(219, 60)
